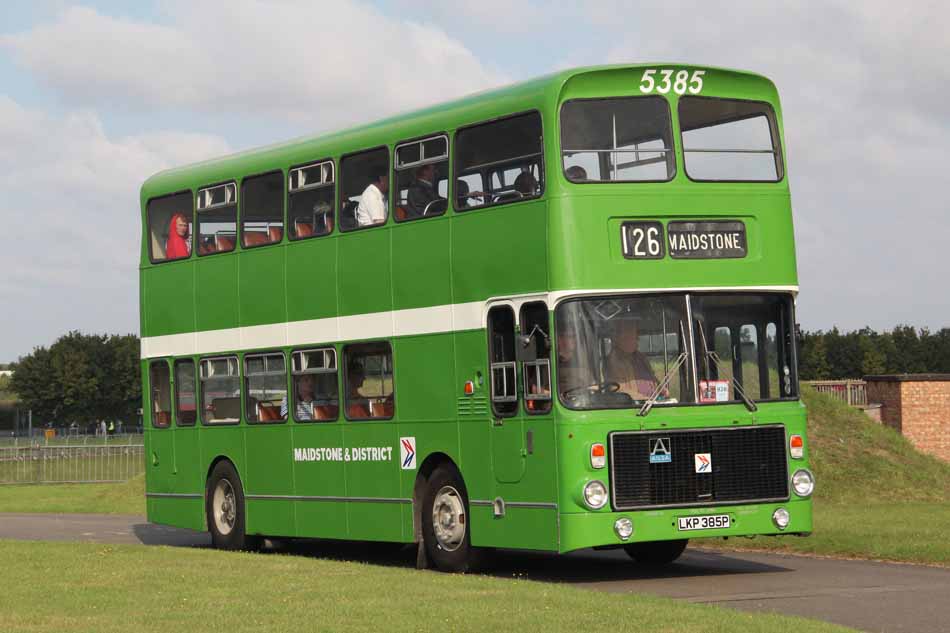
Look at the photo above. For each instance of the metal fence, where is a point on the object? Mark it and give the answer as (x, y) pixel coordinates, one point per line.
(852, 392)
(60, 462)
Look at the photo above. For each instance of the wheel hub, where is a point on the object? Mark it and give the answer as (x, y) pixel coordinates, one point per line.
(223, 507)
(448, 518)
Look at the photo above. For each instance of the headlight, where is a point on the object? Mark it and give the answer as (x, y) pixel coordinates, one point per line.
(624, 528)
(781, 518)
(595, 495)
(803, 482)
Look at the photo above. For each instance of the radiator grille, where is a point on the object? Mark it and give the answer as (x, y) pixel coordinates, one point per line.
(748, 464)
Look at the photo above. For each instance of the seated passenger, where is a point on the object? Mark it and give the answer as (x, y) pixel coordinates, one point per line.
(372, 207)
(463, 194)
(357, 405)
(178, 244)
(421, 192)
(576, 173)
(526, 184)
(627, 365)
(303, 403)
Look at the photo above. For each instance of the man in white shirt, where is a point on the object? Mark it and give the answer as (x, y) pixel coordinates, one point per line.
(372, 207)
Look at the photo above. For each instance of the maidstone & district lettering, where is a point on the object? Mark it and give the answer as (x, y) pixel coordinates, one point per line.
(340, 454)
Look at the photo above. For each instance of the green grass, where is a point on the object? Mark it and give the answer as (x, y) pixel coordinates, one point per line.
(105, 588)
(876, 495)
(125, 498)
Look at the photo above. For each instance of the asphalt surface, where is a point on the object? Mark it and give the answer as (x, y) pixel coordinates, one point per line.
(865, 595)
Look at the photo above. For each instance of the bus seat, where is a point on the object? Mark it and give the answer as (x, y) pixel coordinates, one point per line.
(205, 248)
(228, 408)
(382, 409)
(256, 238)
(401, 213)
(275, 233)
(303, 229)
(326, 411)
(161, 418)
(268, 412)
(358, 410)
(224, 243)
(187, 417)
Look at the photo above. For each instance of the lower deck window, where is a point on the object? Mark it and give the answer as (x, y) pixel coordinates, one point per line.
(265, 378)
(369, 381)
(315, 385)
(160, 388)
(220, 390)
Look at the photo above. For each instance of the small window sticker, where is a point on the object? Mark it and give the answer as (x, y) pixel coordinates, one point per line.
(714, 391)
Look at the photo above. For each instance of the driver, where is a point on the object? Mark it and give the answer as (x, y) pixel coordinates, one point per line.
(627, 365)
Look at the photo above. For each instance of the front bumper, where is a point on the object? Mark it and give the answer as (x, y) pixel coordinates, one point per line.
(596, 529)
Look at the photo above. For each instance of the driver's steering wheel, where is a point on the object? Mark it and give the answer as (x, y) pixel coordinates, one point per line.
(597, 387)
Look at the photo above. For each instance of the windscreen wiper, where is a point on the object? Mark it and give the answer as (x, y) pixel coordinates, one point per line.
(712, 355)
(663, 384)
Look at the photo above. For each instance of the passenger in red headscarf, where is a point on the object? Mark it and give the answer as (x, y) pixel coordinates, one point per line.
(177, 245)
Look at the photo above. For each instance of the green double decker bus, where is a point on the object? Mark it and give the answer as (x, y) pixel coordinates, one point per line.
(553, 316)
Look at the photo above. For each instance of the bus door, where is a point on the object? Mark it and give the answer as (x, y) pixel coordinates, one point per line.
(507, 424)
(189, 475)
(160, 458)
(535, 360)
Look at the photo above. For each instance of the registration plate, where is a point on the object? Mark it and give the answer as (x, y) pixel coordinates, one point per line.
(704, 522)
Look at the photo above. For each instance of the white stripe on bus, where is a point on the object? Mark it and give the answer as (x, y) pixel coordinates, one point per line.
(458, 317)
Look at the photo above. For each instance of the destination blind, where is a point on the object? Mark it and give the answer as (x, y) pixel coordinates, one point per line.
(712, 239)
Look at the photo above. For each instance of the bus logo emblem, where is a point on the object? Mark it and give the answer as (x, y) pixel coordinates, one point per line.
(407, 453)
(660, 451)
(703, 462)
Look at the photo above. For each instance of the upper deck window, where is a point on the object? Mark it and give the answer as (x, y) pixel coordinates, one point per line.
(310, 200)
(730, 140)
(169, 227)
(422, 173)
(365, 189)
(499, 162)
(262, 212)
(217, 218)
(626, 139)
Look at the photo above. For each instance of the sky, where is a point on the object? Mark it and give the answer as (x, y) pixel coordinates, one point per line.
(97, 96)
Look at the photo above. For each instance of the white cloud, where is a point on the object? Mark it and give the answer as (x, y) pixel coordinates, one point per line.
(70, 212)
(318, 63)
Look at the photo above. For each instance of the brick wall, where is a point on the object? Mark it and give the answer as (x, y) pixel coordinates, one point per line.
(917, 405)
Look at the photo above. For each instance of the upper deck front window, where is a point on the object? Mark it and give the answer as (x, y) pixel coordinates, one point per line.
(730, 140)
(625, 139)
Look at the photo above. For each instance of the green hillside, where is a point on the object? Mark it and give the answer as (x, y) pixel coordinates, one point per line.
(876, 495)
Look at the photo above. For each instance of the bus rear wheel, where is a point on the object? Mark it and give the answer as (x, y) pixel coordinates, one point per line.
(445, 522)
(224, 507)
(656, 552)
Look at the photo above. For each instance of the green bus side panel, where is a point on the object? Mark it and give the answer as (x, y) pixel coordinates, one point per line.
(527, 528)
(223, 441)
(312, 279)
(190, 476)
(262, 286)
(319, 518)
(421, 263)
(168, 298)
(507, 449)
(474, 412)
(425, 382)
(217, 293)
(500, 251)
(269, 472)
(364, 274)
(376, 520)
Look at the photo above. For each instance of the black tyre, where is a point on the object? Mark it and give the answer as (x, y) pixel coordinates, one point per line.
(656, 552)
(224, 508)
(445, 525)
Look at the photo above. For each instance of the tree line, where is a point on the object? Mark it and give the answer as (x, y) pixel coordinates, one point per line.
(81, 378)
(903, 350)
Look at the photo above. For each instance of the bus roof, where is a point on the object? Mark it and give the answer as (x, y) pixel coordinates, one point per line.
(472, 108)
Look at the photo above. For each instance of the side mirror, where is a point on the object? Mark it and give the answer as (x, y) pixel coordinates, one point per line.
(526, 348)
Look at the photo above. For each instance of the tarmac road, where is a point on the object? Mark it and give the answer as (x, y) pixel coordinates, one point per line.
(866, 595)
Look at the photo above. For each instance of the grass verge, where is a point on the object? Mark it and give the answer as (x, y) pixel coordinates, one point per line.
(88, 587)
(876, 495)
(125, 498)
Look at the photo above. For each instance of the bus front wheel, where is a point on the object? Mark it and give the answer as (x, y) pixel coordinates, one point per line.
(656, 552)
(225, 509)
(445, 522)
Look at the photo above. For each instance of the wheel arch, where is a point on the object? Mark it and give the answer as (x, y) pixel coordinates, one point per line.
(426, 468)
